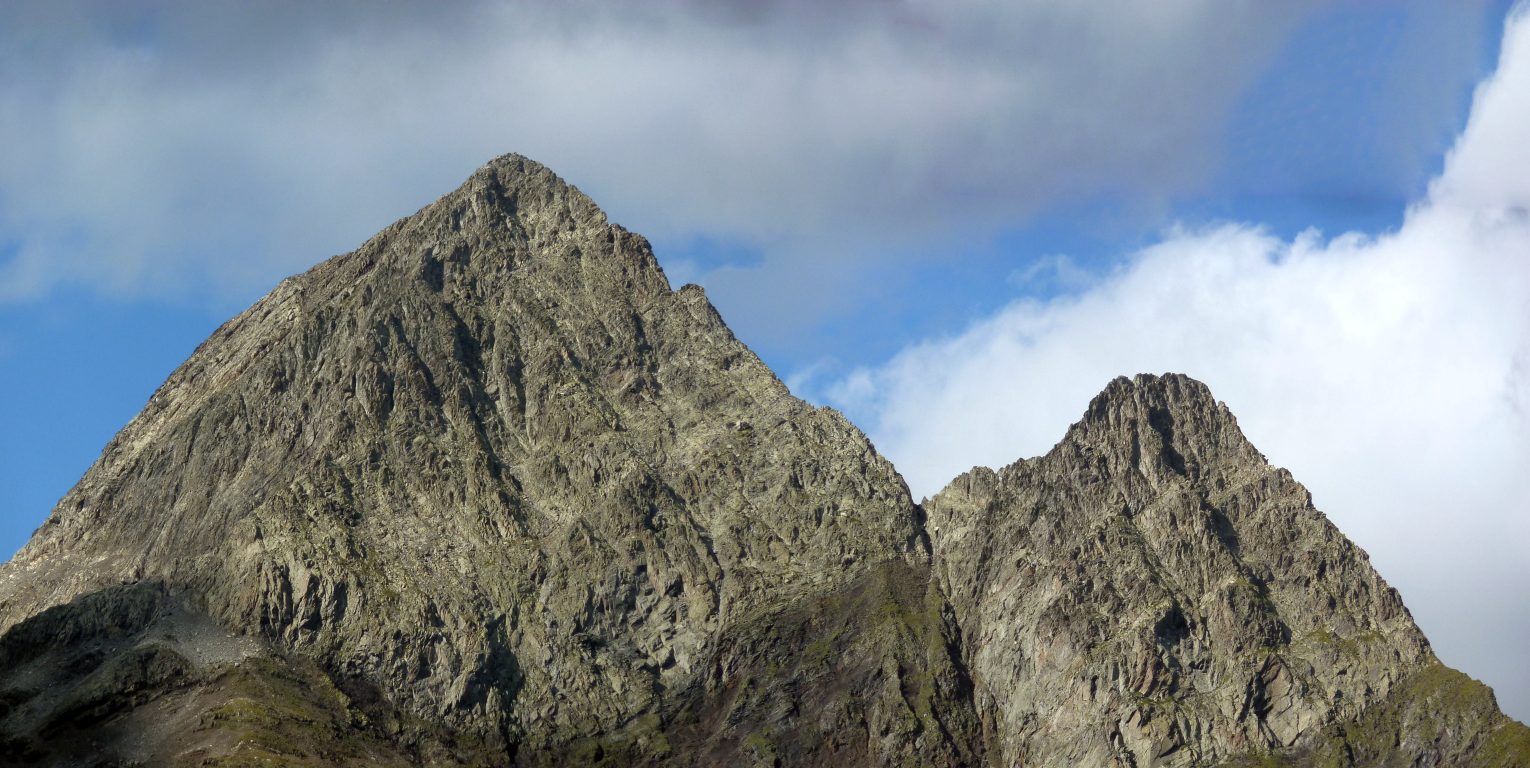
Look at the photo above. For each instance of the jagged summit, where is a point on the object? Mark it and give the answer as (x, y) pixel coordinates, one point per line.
(487, 491)
(1146, 390)
(1157, 544)
(1171, 423)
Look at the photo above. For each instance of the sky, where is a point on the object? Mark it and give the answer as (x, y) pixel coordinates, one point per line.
(955, 221)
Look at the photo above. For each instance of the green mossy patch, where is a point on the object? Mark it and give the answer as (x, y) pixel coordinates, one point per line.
(1436, 716)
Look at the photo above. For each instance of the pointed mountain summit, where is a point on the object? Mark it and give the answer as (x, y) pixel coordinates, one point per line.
(488, 465)
(487, 491)
(1153, 592)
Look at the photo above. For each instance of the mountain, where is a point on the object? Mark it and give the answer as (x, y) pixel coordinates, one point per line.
(487, 491)
(1153, 592)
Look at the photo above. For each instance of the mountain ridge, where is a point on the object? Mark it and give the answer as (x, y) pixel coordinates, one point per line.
(487, 490)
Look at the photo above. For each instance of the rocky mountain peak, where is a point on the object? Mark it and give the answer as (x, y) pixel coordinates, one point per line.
(1154, 391)
(486, 491)
(520, 188)
(516, 220)
(1162, 426)
(1154, 579)
(487, 466)
(516, 192)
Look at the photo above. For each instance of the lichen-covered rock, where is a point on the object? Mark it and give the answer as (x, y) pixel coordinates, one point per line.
(488, 491)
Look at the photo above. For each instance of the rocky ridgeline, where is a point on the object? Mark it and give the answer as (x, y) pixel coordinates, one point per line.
(488, 491)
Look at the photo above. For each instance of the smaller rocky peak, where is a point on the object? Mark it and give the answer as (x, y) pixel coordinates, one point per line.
(1174, 390)
(976, 484)
(693, 295)
(691, 300)
(1169, 423)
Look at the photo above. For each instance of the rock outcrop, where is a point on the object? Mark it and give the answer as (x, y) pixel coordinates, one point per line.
(488, 491)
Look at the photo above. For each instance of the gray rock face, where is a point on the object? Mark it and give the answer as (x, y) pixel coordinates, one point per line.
(487, 490)
(1153, 592)
(489, 462)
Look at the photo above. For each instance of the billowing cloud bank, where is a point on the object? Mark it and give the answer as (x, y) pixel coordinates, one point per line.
(150, 150)
(1390, 374)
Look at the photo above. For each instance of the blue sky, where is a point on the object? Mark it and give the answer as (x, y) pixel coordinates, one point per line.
(1340, 130)
(866, 190)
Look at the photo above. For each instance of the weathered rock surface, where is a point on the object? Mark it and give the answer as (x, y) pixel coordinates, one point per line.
(488, 491)
(1152, 592)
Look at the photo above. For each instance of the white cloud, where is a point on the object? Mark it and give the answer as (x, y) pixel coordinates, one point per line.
(155, 151)
(1390, 374)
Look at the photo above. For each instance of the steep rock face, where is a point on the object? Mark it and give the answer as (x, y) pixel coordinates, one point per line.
(865, 674)
(486, 491)
(1152, 592)
(488, 462)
